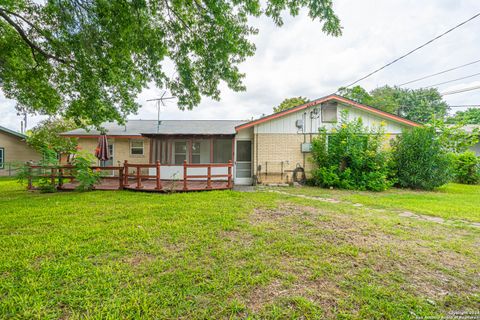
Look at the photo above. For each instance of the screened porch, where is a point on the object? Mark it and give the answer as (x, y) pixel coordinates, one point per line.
(173, 151)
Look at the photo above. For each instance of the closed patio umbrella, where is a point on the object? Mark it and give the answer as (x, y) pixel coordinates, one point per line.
(102, 152)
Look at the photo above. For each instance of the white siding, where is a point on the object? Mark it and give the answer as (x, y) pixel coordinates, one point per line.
(286, 124)
(244, 134)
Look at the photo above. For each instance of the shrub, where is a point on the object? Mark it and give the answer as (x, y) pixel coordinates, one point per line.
(86, 177)
(351, 157)
(420, 159)
(467, 168)
(40, 177)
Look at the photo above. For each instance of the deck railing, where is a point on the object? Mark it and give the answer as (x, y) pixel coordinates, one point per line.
(139, 176)
(58, 174)
(133, 171)
(209, 174)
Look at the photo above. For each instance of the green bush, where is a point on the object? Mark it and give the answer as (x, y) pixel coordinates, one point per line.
(467, 168)
(85, 176)
(351, 157)
(420, 159)
(40, 176)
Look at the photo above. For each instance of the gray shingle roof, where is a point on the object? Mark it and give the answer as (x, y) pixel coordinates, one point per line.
(166, 127)
(18, 134)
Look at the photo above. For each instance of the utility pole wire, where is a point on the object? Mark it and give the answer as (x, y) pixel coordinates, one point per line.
(460, 90)
(412, 51)
(438, 73)
(453, 80)
(466, 106)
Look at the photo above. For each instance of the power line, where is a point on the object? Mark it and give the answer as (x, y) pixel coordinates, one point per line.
(438, 73)
(453, 80)
(466, 106)
(460, 90)
(416, 49)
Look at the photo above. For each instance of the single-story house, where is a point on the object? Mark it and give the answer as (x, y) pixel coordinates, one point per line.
(264, 150)
(14, 150)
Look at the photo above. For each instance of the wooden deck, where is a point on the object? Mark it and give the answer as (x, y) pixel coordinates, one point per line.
(131, 176)
(150, 185)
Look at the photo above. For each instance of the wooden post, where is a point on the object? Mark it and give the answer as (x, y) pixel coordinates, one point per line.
(209, 177)
(185, 175)
(139, 180)
(159, 181)
(60, 178)
(52, 176)
(229, 183)
(120, 178)
(30, 185)
(125, 167)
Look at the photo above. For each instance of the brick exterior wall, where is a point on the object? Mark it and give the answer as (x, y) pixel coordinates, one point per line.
(270, 149)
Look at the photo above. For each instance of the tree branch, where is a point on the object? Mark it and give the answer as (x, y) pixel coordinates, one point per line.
(29, 42)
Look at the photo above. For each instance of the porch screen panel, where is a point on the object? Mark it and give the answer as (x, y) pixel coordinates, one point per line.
(201, 151)
(180, 152)
(158, 150)
(222, 150)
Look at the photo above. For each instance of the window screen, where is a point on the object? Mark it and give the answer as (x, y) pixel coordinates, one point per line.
(180, 152)
(222, 150)
(329, 113)
(196, 152)
(244, 150)
(136, 147)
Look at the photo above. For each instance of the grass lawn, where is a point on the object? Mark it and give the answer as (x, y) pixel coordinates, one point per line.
(226, 254)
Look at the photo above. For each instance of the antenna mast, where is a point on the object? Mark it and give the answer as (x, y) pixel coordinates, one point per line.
(160, 102)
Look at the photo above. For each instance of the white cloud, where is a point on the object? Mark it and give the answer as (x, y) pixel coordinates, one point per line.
(298, 59)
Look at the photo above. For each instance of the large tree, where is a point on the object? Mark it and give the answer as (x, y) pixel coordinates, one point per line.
(421, 105)
(290, 103)
(88, 59)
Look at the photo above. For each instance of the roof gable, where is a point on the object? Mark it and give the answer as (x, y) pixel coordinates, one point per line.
(332, 97)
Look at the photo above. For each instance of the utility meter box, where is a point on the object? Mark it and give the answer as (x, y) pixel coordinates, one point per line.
(306, 147)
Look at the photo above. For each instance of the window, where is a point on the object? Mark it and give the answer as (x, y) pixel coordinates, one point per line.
(136, 147)
(180, 152)
(329, 113)
(195, 152)
(222, 150)
(2, 158)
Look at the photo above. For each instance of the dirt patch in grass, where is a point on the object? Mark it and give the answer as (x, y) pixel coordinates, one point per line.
(138, 259)
(343, 245)
(324, 293)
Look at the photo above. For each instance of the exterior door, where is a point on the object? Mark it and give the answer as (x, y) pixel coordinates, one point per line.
(243, 162)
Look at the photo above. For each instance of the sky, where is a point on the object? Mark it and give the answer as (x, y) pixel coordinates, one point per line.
(298, 59)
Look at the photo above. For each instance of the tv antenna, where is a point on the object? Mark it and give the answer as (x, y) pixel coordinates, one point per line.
(160, 102)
